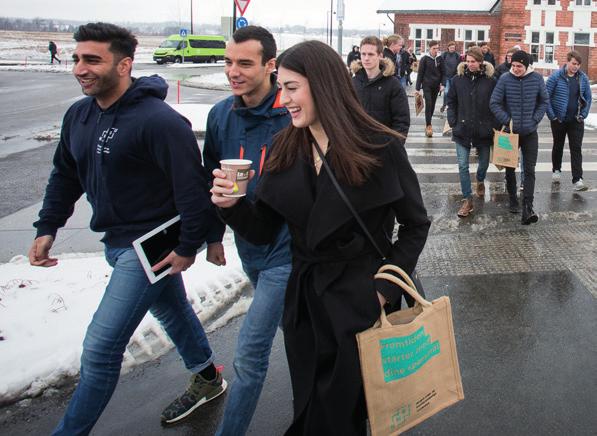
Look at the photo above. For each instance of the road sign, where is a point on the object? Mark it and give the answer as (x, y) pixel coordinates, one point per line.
(183, 33)
(241, 22)
(242, 5)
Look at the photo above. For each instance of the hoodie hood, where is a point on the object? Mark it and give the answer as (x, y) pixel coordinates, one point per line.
(386, 66)
(529, 70)
(153, 86)
(486, 67)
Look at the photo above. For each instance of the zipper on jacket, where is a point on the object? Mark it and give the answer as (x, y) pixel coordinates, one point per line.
(262, 160)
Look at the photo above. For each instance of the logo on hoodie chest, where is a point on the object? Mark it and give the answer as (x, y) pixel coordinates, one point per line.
(106, 136)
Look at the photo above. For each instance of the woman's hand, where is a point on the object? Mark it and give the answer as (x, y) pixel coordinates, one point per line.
(222, 186)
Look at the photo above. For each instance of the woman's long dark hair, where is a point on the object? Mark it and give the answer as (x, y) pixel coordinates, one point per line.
(349, 129)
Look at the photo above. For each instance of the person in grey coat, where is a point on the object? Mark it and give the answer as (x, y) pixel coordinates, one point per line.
(520, 97)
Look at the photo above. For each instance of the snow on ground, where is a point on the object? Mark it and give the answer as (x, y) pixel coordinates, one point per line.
(44, 313)
(591, 120)
(211, 81)
(195, 113)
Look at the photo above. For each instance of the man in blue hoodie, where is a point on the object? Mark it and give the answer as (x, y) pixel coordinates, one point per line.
(243, 126)
(569, 104)
(138, 163)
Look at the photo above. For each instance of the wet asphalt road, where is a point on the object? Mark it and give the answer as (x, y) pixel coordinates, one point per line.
(524, 304)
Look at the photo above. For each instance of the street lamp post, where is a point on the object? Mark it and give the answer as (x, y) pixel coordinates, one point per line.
(191, 17)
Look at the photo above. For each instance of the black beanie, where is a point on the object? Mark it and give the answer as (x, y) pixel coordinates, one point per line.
(522, 57)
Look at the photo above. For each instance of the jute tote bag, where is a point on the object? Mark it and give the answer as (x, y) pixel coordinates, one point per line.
(408, 362)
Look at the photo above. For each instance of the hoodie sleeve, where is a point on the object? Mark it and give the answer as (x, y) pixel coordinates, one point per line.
(211, 152)
(173, 145)
(496, 104)
(420, 73)
(63, 189)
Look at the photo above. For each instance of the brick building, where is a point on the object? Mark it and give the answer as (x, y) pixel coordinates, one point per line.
(548, 29)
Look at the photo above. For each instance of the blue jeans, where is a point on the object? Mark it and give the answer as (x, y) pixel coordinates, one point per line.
(253, 349)
(403, 81)
(127, 298)
(462, 154)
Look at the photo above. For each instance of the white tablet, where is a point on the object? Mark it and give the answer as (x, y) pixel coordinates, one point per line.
(154, 246)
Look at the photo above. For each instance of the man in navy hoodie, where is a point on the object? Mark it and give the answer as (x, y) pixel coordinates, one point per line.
(243, 126)
(138, 163)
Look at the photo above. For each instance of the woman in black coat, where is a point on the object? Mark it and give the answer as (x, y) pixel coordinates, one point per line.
(379, 91)
(331, 293)
(472, 121)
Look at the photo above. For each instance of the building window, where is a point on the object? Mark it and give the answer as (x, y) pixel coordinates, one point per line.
(551, 2)
(549, 48)
(536, 2)
(535, 46)
(481, 35)
(582, 39)
(422, 36)
(583, 2)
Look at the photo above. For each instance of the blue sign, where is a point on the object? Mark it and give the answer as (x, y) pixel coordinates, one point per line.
(183, 33)
(241, 22)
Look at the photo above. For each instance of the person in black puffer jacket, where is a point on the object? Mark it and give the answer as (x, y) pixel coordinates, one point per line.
(520, 96)
(354, 55)
(379, 91)
(431, 77)
(471, 121)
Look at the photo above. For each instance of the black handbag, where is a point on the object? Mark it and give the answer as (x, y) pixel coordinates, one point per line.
(410, 301)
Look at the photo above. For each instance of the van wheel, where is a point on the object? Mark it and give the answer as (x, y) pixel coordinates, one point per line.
(212, 60)
(178, 60)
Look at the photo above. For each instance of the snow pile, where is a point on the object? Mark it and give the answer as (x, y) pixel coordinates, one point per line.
(209, 81)
(591, 121)
(195, 113)
(44, 313)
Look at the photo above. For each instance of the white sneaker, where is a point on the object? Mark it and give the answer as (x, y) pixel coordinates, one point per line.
(555, 176)
(580, 186)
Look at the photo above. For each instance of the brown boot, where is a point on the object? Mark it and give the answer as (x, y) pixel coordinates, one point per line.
(466, 208)
(480, 189)
(429, 131)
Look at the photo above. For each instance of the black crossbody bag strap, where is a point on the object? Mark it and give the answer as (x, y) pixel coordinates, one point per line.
(346, 200)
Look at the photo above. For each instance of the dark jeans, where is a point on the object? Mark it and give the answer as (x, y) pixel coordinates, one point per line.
(430, 95)
(575, 132)
(53, 56)
(529, 147)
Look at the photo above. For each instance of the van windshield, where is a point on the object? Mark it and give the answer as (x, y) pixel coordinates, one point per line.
(169, 44)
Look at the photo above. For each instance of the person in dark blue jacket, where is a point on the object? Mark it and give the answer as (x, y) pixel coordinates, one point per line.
(243, 126)
(520, 97)
(451, 61)
(569, 104)
(137, 161)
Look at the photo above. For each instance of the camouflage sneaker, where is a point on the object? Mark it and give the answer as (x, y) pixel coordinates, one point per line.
(199, 392)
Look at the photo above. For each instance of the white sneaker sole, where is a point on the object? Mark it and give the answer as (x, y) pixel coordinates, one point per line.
(199, 403)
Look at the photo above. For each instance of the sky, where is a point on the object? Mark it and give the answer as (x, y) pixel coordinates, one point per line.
(359, 14)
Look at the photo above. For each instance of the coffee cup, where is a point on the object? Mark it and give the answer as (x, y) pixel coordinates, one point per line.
(237, 171)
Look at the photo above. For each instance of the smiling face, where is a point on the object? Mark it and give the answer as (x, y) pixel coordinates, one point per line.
(249, 78)
(296, 97)
(518, 69)
(100, 73)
